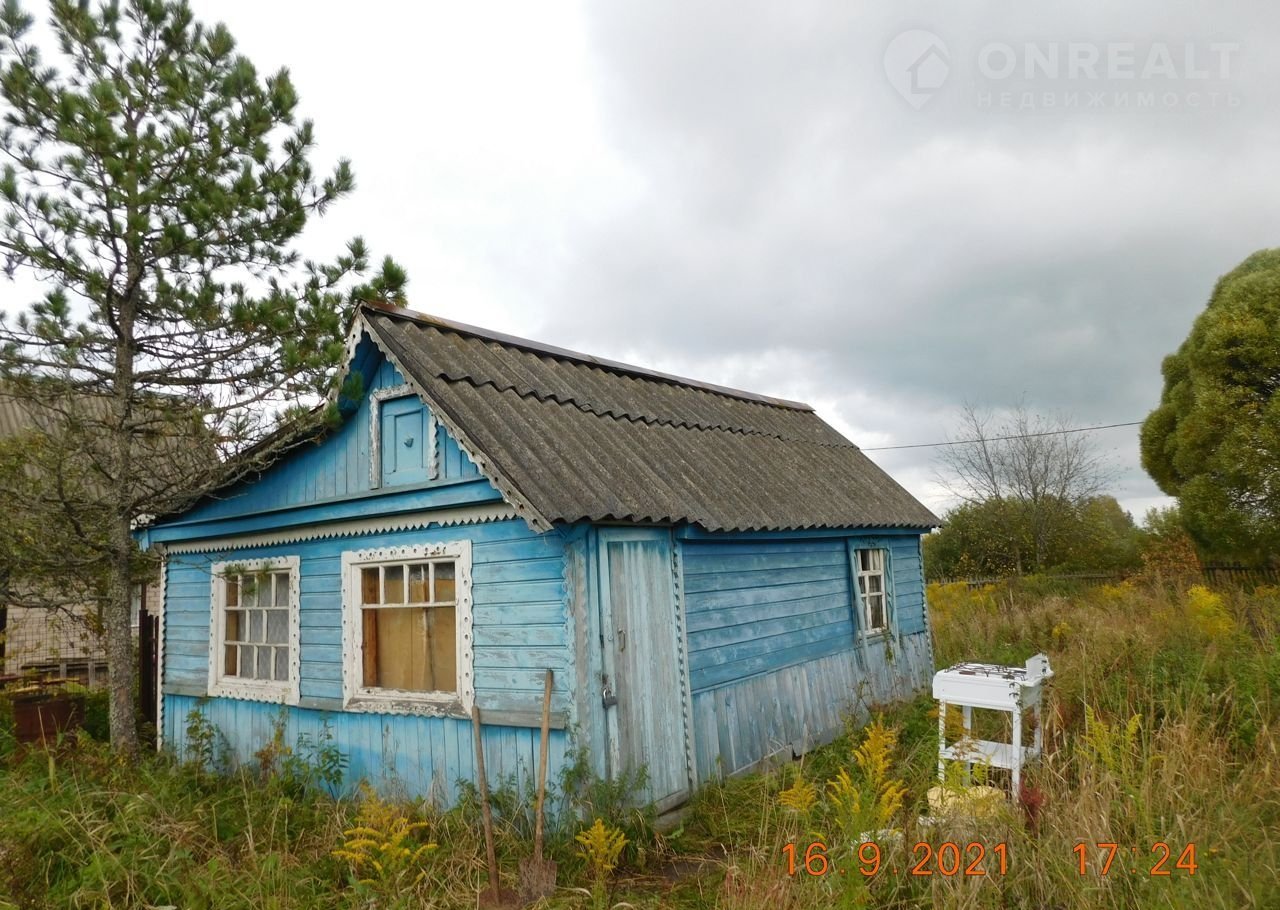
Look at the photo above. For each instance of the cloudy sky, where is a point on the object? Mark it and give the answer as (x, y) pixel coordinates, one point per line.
(883, 209)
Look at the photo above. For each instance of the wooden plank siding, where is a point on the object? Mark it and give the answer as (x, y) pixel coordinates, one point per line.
(520, 630)
(399, 754)
(774, 659)
(334, 470)
(785, 713)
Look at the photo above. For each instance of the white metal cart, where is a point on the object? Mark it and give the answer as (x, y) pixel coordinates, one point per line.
(1014, 690)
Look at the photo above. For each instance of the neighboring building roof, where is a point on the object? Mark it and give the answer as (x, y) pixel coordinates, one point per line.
(574, 437)
(167, 460)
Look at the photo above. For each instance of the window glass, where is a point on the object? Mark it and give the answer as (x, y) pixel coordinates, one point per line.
(255, 626)
(871, 590)
(409, 632)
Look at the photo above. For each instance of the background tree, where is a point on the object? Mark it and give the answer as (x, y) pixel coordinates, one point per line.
(1167, 550)
(993, 539)
(155, 184)
(1025, 477)
(1214, 440)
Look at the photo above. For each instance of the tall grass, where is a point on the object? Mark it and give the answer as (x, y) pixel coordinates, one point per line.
(1161, 727)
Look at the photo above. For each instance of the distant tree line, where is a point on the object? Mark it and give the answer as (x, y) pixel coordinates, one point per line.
(1032, 500)
(1031, 496)
(998, 538)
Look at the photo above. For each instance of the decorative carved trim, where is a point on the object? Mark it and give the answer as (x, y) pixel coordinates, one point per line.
(275, 691)
(682, 644)
(164, 573)
(392, 701)
(532, 517)
(462, 515)
(924, 604)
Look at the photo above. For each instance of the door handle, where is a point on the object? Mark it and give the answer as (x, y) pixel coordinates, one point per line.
(622, 639)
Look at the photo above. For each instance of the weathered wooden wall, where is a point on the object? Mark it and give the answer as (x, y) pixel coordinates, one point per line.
(785, 713)
(520, 630)
(775, 659)
(337, 468)
(399, 754)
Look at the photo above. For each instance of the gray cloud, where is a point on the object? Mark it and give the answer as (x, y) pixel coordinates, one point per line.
(735, 191)
(890, 263)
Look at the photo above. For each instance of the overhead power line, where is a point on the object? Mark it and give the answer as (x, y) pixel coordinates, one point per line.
(965, 442)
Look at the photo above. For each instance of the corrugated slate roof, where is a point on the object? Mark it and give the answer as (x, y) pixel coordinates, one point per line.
(576, 437)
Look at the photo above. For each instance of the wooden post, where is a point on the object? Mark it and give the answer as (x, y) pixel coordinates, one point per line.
(482, 780)
(942, 739)
(1016, 761)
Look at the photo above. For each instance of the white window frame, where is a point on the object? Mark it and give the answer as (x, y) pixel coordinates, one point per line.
(277, 691)
(864, 609)
(358, 697)
(376, 400)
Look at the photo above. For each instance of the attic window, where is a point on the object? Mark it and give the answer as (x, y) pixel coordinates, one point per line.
(407, 633)
(871, 591)
(402, 438)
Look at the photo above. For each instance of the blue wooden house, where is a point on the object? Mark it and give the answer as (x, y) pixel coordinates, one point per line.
(715, 577)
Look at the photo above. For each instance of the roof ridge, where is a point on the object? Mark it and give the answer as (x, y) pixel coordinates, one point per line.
(613, 366)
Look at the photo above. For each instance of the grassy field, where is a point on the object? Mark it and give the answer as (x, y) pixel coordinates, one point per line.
(1161, 729)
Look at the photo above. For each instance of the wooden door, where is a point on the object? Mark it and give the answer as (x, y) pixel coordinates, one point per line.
(643, 660)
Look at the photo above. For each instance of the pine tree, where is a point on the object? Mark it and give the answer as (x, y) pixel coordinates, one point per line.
(154, 183)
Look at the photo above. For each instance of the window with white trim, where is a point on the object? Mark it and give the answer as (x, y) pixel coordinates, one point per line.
(254, 630)
(872, 595)
(407, 626)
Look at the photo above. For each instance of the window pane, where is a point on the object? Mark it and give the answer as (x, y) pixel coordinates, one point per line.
(401, 658)
(875, 609)
(233, 590)
(282, 663)
(282, 589)
(229, 661)
(248, 591)
(234, 626)
(246, 662)
(413, 649)
(369, 644)
(862, 584)
(255, 626)
(445, 584)
(875, 583)
(442, 649)
(369, 586)
(264, 663)
(277, 626)
(864, 560)
(393, 585)
(418, 582)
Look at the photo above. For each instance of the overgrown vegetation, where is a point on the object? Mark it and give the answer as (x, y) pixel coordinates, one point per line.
(1161, 728)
